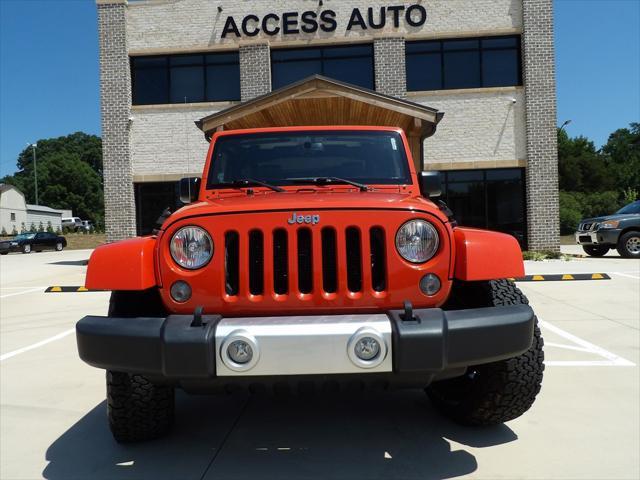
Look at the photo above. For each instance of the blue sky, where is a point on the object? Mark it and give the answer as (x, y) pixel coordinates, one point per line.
(49, 83)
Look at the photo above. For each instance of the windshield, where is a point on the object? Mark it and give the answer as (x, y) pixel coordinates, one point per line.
(283, 158)
(631, 208)
(25, 236)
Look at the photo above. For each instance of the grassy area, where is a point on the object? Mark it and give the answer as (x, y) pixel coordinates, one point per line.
(79, 241)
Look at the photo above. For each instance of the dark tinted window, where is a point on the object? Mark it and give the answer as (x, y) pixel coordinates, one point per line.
(151, 200)
(468, 63)
(491, 199)
(185, 78)
(351, 64)
(276, 158)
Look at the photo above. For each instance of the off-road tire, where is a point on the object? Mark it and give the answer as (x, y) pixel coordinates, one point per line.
(26, 248)
(495, 392)
(624, 245)
(137, 408)
(596, 250)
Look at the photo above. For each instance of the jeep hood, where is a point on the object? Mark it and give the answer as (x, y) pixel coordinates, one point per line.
(305, 201)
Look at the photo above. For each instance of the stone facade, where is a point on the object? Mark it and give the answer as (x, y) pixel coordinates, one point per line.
(391, 77)
(482, 128)
(255, 70)
(543, 211)
(115, 104)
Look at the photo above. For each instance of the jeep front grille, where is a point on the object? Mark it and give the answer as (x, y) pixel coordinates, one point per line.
(305, 260)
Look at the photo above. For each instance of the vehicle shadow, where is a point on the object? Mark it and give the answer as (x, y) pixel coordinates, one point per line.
(373, 435)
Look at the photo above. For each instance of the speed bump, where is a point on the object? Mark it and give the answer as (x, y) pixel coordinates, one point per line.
(68, 289)
(562, 277)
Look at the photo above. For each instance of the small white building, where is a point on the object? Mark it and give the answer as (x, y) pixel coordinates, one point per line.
(13, 210)
(16, 214)
(39, 214)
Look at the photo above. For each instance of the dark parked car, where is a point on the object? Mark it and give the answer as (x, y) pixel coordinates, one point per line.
(620, 230)
(29, 242)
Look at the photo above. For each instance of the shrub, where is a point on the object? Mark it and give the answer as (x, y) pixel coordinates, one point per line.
(629, 195)
(575, 206)
(14, 232)
(23, 228)
(3, 232)
(49, 227)
(570, 212)
(40, 227)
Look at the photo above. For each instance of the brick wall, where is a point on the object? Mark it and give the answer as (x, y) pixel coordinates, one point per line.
(115, 101)
(166, 140)
(540, 87)
(255, 70)
(480, 129)
(391, 78)
(188, 24)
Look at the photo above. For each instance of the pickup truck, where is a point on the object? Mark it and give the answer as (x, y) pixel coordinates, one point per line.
(306, 257)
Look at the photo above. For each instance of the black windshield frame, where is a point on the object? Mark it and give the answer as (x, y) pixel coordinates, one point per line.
(397, 162)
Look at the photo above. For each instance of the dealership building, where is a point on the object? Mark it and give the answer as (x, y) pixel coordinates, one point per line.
(175, 71)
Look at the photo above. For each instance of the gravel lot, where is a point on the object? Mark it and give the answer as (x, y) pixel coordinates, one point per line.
(584, 425)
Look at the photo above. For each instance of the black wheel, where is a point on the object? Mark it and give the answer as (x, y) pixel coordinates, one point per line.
(596, 250)
(137, 408)
(26, 248)
(59, 247)
(629, 245)
(495, 392)
(4, 253)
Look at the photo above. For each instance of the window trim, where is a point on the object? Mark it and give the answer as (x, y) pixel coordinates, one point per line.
(481, 49)
(322, 58)
(168, 67)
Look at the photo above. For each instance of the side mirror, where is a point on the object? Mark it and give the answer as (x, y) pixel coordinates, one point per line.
(189, 189)
(430, 185)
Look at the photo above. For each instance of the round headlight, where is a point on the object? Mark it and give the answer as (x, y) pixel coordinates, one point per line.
(417, 241)
(191, 247)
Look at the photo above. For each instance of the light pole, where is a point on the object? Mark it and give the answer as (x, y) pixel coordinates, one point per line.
(566, 122)
(35, 168)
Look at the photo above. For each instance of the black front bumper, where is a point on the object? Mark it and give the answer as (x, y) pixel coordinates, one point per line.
(434, 341)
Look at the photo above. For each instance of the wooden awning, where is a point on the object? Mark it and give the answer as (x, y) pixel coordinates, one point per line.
(319, 100)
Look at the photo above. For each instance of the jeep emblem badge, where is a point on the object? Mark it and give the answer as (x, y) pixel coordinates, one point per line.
(295, 218)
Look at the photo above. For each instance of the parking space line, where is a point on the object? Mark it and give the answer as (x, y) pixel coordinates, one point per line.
(626, 275)
(31, 290)
(612, 360)
(37, 345)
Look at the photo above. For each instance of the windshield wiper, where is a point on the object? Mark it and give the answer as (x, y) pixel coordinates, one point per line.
(250, 182)
(328, 181)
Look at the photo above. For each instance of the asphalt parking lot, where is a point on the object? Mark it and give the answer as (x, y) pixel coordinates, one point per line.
(585, 424)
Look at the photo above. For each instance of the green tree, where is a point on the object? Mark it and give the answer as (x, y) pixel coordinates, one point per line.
(69, 175)
(581, 167)
(622, 152)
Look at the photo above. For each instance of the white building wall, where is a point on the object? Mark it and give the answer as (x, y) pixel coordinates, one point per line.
(12, 202)
(197, 24)
(35, 218)
(166, 143)
(480, 129)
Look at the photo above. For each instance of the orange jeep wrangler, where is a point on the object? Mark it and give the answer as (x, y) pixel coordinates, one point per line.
(312, 257)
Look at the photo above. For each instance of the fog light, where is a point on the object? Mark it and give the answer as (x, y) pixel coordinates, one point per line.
(180, 291)
(240, 351)
(430, 284)
(367, 348)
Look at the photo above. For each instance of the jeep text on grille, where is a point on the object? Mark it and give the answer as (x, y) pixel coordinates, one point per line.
(312, 254)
